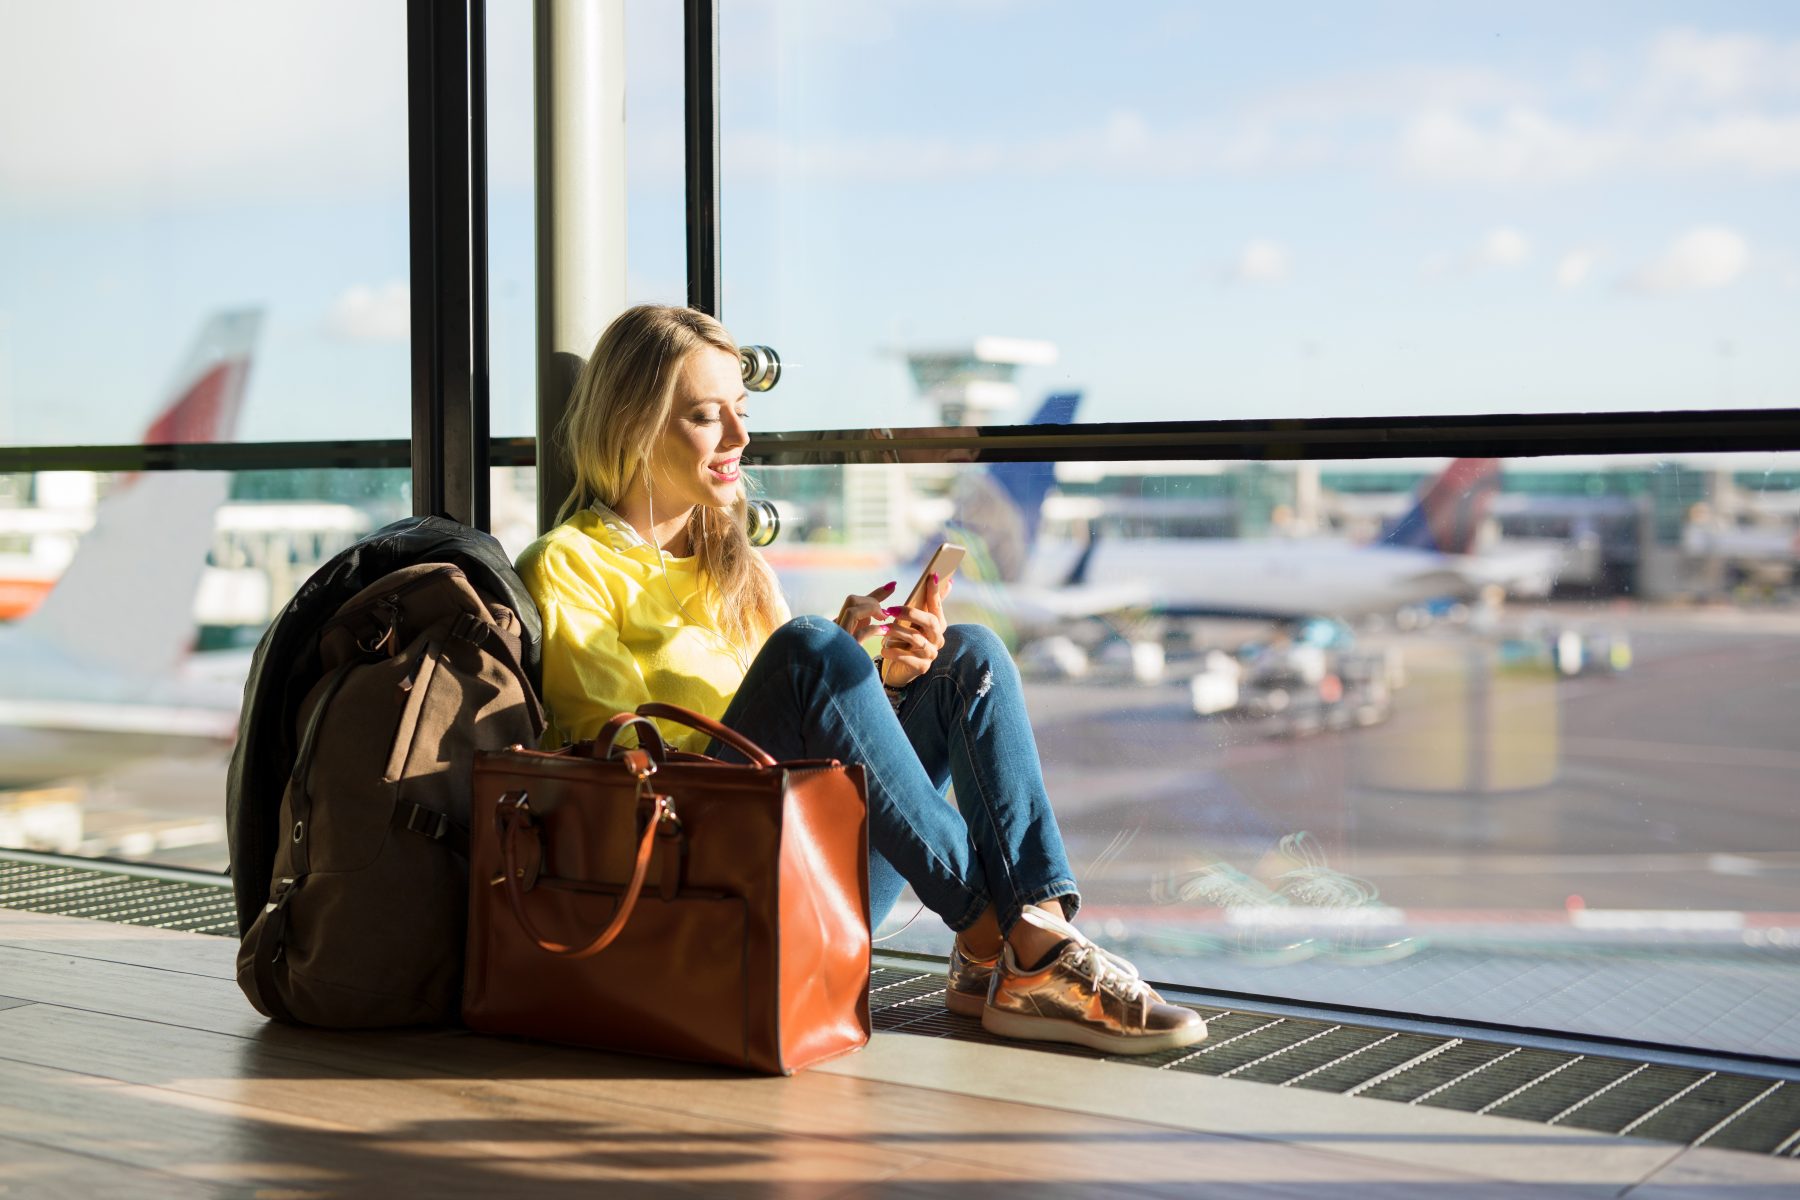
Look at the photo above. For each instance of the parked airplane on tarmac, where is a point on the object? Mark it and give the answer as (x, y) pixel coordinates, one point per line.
(1429, 554)
(91, 678)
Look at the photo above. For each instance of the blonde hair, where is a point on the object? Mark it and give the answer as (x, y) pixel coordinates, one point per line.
(622, 402)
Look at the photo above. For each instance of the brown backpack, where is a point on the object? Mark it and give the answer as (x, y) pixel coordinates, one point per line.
(369, 899)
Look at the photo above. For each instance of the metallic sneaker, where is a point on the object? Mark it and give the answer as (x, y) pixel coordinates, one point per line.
(1084, 996)
(967, 990)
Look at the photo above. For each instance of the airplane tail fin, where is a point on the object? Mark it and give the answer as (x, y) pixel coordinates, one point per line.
(126, 601)
(998, 511)
(1028, 483)
(1448, 513)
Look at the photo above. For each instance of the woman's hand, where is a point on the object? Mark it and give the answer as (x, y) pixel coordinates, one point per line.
(861, 614)
(917, 634)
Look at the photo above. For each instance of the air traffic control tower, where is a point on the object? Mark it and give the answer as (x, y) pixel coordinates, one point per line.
(974, 384)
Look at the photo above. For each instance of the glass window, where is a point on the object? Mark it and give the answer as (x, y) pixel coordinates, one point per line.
(1499, 741)
(512, 250)
(163, 164)
(116, 723)
(1302, 209)
(655, 155)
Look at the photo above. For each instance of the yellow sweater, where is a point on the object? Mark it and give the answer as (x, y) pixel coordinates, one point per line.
(614, 634)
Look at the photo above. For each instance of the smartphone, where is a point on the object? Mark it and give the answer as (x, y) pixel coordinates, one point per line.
(943, 563)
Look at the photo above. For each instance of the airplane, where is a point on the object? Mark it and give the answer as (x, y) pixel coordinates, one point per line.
(94, 675)
(1038, 585)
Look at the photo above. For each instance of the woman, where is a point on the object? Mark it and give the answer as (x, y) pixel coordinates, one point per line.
(649, 589)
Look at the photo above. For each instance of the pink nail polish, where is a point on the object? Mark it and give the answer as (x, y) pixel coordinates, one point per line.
(934, 578)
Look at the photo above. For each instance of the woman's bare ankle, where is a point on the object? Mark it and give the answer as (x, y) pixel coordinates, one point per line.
(981, 939)
(1032, 945)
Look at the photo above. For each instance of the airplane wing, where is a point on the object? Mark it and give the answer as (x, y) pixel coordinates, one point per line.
(1522, 571)
(1443, 581)
(1031, 604)
(77, 716)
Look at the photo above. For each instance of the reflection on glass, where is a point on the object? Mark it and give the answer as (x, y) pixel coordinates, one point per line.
(1505, 741)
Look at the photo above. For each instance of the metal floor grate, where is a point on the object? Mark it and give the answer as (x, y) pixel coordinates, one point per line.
(118, 894)
(1607, 1093)
(1555, 1087)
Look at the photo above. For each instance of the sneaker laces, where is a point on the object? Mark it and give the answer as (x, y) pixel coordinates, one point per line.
(1103, 969)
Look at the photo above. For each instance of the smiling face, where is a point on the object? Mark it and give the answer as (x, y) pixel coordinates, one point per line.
(696, 457)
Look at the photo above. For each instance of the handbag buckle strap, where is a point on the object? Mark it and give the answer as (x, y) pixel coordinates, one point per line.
(512, 814)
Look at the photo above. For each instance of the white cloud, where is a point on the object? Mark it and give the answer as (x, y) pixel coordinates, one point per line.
(1260, 261)
(1704, 258)
(1396, 89)
(1761, 145)
(1688, 65)
(1502, 248)
(1573, 268)
(1127, 133)
(1691, 103)
(1521, 144)
(372, 314)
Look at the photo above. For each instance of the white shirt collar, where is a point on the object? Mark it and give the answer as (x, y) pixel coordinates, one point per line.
(624, 536)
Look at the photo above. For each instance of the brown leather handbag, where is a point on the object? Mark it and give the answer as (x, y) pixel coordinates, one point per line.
(672, 904)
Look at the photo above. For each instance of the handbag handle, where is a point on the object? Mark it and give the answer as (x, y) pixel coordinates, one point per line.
(693, 720)
(513, 814)
(650, 738)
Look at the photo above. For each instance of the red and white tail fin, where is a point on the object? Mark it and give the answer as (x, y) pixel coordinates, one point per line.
(208, 388)
(126, 601)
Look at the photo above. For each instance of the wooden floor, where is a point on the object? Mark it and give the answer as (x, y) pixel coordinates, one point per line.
(131, 1066)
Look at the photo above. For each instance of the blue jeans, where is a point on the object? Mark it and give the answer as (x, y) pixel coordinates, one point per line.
(812, 693)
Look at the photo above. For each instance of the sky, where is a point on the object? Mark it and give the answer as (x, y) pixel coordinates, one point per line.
(1212, 210)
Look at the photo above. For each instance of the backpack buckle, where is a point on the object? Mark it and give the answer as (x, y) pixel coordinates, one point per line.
(471, 629)
(427, 822)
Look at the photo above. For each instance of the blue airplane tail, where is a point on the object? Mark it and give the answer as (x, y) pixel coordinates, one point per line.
(1027, 484)
(1449, 510)
(999, 510)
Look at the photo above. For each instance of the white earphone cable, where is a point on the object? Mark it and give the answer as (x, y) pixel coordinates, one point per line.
(663, 562)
